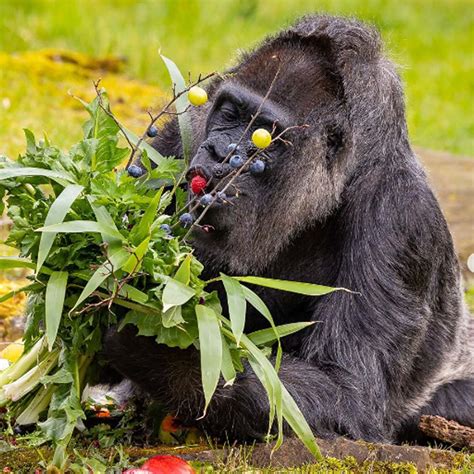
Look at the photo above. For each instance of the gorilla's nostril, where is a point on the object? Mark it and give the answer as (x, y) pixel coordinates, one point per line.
(218, 170)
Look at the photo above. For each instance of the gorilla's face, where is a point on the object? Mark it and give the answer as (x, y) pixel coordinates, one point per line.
(301, 182)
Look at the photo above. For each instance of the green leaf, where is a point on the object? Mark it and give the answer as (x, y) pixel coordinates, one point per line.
(228, 370)
(54, 302)
(292, 286)
(26, 288)
(270, 335)
(183, 274)
(15, 262)
(210, 343)
(133, 264)
(182, 104)
(56, 214)
(82, 226)
(141, 230)
(105, 219)
(151, 153)
(172, 317)
(115, 263)
(58, 176)
(237, 305)
(176, 294)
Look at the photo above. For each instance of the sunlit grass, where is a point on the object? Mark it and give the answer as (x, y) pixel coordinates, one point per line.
(431, 41)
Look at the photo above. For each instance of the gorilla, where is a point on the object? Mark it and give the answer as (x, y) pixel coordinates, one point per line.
(342, 202)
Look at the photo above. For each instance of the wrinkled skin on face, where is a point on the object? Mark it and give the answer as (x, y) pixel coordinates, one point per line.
(345, 203)
(247, 236)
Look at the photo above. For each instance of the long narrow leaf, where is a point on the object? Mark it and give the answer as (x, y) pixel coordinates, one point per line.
(291, 286)
(58, 176)
(228, 370)
(82, 226)
(152, 154)
(115, 263)
(210, 344)
(15, 262)
(54, 302)
(267, 336)
(56, 214)
(105, 219)
(182, 104)
(26, 288)
(237, 305)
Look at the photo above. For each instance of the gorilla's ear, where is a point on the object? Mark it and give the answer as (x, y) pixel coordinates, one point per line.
(371, 88)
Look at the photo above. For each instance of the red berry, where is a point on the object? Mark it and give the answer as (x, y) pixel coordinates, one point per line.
(198, 184)
(168, 465)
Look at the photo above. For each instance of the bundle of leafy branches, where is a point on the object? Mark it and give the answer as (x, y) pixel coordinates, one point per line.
(99, 244)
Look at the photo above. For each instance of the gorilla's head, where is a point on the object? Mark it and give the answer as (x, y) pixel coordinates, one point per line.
(329, 76)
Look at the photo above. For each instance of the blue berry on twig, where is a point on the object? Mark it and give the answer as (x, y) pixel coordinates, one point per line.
(236, 161)
(186, 219)
(166, 228)
(232, 147)
(152, 131)
(206, 200)
(135, 171)
(257, 167)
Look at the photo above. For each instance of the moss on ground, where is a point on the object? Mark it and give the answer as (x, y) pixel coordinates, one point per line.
(37, 89)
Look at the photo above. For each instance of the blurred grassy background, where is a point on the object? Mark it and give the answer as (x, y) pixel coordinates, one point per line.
(431, 41)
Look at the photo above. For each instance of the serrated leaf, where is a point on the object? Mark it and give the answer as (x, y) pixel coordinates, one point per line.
(183, 274)
(176, 294)
(172, 317)
(54, 302)
(56, 214)
(210, 344)
(237, 305)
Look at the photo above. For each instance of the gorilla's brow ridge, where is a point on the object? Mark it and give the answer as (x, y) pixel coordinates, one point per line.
(242, 96)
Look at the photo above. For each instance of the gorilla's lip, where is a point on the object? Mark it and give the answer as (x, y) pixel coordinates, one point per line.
(198, 170)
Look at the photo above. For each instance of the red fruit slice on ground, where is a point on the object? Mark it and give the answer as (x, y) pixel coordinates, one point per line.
(198, 184)
(168, 465)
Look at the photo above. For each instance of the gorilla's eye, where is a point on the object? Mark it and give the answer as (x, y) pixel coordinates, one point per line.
(229, 111)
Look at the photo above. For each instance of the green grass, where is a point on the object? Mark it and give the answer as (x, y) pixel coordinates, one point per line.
(431, 41)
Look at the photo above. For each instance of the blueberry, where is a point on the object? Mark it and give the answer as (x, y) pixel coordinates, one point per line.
(135, 171)
(221, 196)
(257, 167)
(206, 200)
(152, 131)
(186, 219)
(166, 228)
(232, 147)
(236, 161)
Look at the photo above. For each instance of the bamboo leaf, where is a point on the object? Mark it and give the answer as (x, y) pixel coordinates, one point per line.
(270, 335)
(26, 288)
(115, 263)
(133, 263)
(105, 219)
(54, 302)
(228, 370)
(15, 262)
(151, 153)
(237, 305)
(182, 104)
(176, 294)
(58, 176)
(82, 226)
(291, 286)
(210, 344)
(56, 214)
(141, 230)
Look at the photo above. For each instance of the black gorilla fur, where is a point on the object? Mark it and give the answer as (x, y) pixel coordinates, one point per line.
(347, 205)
